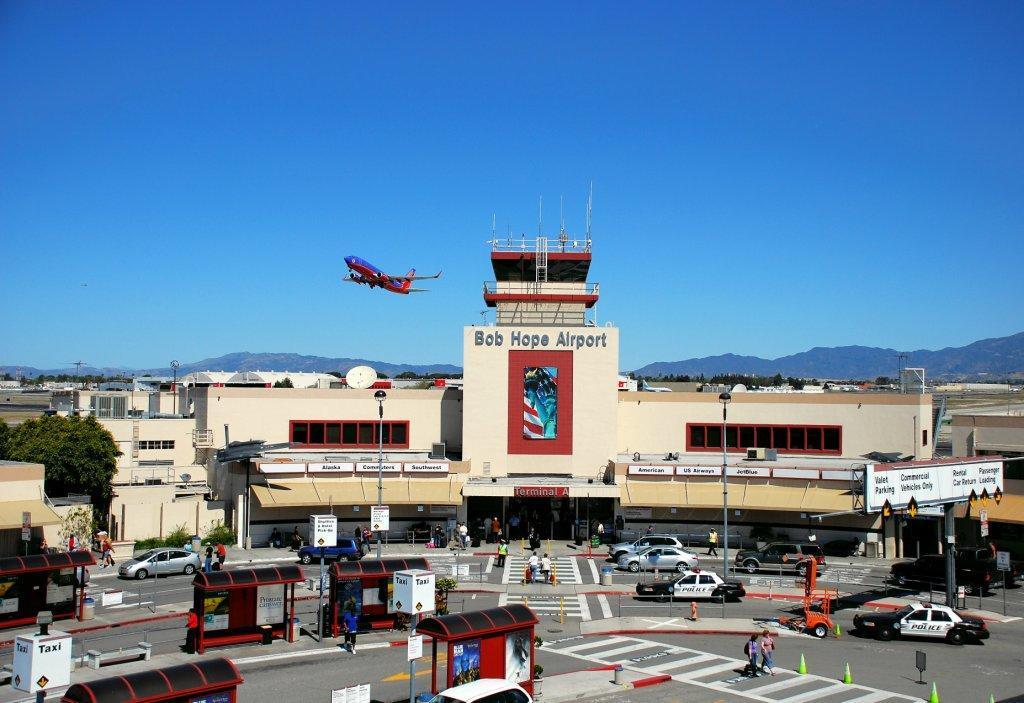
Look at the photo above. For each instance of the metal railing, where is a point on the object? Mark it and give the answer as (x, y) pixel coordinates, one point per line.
(518, 244)
(541, 288)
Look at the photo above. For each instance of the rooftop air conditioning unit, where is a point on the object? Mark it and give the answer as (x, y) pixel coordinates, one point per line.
(771, 454)
(756, 453)
(437, 450)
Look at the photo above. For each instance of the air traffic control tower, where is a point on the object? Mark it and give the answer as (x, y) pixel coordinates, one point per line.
(540, 394)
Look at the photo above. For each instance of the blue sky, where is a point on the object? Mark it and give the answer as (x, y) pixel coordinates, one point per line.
(767, 177)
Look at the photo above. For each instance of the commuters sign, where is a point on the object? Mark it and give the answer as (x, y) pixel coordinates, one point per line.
(929, 483)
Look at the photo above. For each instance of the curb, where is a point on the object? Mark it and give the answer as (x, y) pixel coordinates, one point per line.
(736, 633)
(650, 681)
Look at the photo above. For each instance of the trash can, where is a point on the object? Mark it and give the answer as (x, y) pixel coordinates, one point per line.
(296, 626)
(89, 608)
(424, 697)
(595, 541)
(266, 634)
(606, 575)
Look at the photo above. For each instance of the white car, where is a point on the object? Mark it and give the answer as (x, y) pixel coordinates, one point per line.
(922, 620)
(484, 691)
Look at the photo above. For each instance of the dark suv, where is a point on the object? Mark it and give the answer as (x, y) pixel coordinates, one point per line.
(346, 549)
(931, 570)
(779, 556)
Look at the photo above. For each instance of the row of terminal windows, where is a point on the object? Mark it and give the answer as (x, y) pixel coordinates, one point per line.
(796, 439)
(156, 444)
(355, 434)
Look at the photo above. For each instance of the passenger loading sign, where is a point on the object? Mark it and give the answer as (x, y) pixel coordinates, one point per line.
(380, 518)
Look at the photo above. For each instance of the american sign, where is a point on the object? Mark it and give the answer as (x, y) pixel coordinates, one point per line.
(929, 484)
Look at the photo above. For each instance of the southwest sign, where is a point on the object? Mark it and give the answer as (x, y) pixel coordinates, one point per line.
(927, 483)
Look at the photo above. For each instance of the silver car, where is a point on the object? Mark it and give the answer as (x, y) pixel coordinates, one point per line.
(157, 562)
(638, 545)
(658, 558)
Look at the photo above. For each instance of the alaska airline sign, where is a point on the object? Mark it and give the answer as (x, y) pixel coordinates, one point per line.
(534, 340)
(930, 484)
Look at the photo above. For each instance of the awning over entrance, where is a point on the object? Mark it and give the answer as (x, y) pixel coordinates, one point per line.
(742, 494)
(11, 510)
(654, 494)
(435, 491)
(1010, 508)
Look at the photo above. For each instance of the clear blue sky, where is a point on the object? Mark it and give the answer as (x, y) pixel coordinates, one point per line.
(767, 177)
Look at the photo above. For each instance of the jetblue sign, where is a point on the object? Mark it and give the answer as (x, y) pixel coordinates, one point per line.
(537, 340)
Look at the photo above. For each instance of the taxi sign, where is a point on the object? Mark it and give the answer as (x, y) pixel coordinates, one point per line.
(414, 591)
(41, 662)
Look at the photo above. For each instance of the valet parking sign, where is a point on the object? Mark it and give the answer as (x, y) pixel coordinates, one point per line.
(929, 484)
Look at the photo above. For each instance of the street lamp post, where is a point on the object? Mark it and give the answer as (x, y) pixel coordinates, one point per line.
(174, 386)
(725, 398)
(380, 396)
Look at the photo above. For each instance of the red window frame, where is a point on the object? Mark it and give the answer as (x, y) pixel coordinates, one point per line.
(388, 433)
(740, 431)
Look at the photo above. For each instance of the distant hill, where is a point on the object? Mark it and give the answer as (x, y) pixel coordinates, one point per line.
(999, 357)
(246, 361)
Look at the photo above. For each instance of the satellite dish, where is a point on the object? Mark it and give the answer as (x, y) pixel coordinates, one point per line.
(360, 377)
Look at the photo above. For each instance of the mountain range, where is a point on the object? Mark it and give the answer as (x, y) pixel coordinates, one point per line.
(999, 357)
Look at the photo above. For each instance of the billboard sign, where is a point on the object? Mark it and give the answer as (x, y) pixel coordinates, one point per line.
(929, 483)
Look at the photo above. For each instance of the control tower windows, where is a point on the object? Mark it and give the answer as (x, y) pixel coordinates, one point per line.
(351, 434)
(791, 439)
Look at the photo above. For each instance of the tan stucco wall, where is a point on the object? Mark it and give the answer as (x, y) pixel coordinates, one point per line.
(655, 422)
(987, 433)
(179, 430)
(485, 416)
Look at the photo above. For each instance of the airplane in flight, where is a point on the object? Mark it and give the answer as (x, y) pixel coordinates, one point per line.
(365, 273)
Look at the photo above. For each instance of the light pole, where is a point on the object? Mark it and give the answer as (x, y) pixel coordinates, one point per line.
(174, 386)
(725, 398)
(380, 396)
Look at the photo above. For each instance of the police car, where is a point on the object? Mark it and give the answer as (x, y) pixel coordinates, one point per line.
(922, 620)
(693, 583)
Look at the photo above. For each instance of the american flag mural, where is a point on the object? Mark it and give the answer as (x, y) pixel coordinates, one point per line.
(540, 402)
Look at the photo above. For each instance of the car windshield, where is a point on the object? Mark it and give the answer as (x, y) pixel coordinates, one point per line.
(146, 556)
(441, 698)
(904, 611)
(644, 551)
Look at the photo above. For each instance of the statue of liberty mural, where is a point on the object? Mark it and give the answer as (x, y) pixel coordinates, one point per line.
(540, 402)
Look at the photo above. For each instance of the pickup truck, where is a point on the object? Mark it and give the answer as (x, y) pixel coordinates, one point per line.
(980, 558)
(931, 570)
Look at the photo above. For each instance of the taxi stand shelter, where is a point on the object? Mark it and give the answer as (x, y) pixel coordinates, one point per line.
(42, 582)
(242, 604)
(496, 643)
(206, 681)
(365, 586)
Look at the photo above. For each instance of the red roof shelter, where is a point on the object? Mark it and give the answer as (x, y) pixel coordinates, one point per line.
(496, 643)
(208, 680)
(42, 582)
(245, 605)
(365, 587)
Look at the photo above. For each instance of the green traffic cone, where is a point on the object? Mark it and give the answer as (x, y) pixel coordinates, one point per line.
(991, 698)
(802, 669)
(934, 698)
(847, 676)
(838, 631)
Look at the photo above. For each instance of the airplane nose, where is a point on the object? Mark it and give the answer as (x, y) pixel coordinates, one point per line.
(348, 259)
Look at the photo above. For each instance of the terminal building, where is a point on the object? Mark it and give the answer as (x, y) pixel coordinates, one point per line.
(538, 434)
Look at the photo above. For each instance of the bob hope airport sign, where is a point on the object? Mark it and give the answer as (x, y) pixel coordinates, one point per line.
(536, 340)
(929, 484)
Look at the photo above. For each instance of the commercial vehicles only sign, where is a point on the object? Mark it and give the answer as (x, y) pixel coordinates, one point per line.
(930, 483)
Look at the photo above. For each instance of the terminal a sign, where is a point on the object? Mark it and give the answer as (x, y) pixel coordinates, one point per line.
(541, 491)
(535, 340)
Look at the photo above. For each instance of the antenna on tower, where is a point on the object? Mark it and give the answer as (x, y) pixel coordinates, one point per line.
(494, 223)
(590, 209)
(561, 213)
(540, 214)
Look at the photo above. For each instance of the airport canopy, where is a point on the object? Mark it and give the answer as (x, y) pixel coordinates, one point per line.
(477, 622)
(175, 682)
(377, 567)
(13, 566)
(247, 578)
(11, 512)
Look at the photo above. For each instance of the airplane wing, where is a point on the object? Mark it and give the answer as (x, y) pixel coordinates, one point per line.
(418, 290)
(415, 278)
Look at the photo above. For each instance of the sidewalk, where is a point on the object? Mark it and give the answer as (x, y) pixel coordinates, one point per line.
(590, 683)
(740, 627)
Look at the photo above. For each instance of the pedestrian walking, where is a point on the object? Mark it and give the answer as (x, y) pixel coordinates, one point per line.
(502, 552)
(108, 552)
(534, 563)
(351, 625)
(296, 540)
(767, 652)
(222, 554)
(192, 631)
(464, 535)
(208, 561)
(750, 649)
(545, 568)
(713, 543)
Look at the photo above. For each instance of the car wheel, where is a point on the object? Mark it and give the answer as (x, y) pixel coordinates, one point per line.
(663, 599)
(189, 569)
(633, 566)
(954, 636)
(751, 566)
(819, 630)
(306, 559)
(141, 574)
(884, 633)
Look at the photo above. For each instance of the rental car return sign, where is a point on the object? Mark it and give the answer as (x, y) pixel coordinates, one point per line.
(924, 483)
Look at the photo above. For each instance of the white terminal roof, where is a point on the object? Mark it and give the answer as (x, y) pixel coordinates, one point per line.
(709, 459)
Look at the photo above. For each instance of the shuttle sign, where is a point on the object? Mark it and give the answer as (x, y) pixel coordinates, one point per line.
(929, 484)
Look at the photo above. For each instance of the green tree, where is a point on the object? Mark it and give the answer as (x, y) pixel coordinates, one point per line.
(79, 454)
(407, 374)
(284, 383)
(5, 437)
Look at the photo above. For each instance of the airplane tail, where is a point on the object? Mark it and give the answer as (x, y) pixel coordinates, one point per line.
(406, 284)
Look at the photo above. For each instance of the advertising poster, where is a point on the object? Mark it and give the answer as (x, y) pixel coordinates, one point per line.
(222, 697)
(269, 605)
(465, 662)
(517, 656)
(60, 588)
(540, 402)
(8, 596)
(350, 596)
(216, 607)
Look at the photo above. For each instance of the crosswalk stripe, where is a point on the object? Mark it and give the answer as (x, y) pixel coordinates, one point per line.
(814, 695)
(587, 645)
(593, 570)
(606, 610)
(871, 697)
(610, 654)
(708, 670)
(663, 667)
(779, 685)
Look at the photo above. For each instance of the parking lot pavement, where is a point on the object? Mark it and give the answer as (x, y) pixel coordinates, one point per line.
(718, 673)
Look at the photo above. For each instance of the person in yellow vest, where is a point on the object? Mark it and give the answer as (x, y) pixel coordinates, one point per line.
(713, 543)
(502, 551)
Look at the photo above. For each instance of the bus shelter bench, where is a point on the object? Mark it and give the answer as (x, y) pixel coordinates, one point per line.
(94, 658)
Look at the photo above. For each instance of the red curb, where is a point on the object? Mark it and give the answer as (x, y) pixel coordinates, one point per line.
(651, 681)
